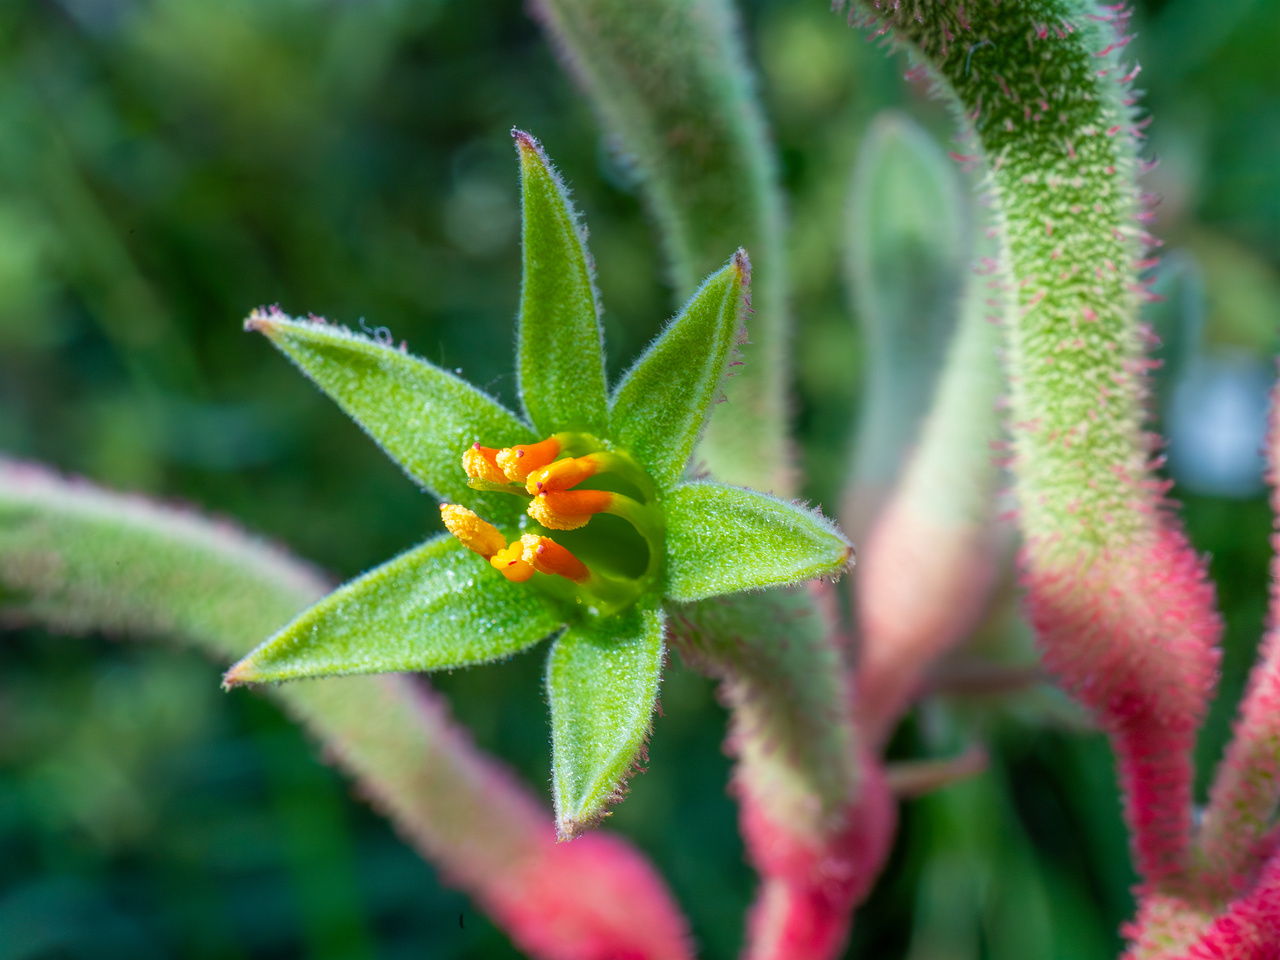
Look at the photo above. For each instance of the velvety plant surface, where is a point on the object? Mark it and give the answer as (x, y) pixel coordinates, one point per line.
(166, 165)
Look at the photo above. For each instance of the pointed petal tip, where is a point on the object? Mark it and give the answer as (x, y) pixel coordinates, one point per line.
(572, 827)
(240, 675)
(265, 320)
(742, 263)
(525, 142)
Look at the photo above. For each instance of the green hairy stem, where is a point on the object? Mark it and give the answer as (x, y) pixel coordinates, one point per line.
(75, 558)
(1122, 610)
(1041, 86)
(763, 647)
(670, 83)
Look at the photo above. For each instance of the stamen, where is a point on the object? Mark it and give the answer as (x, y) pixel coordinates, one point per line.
(473, 533)
(480, 463)
(510, 562)
(564, 474)
(547, 556)
(546, 472)
(570, 509)
(519, 461)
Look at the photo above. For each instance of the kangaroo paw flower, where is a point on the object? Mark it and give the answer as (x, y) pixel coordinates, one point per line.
(588, 535)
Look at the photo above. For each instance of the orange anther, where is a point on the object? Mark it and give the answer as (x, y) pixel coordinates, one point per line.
(569, 509)
(472, 532)
(510, 562)
(547, 556)
(563, 474)
(481, 463)
(519, 461)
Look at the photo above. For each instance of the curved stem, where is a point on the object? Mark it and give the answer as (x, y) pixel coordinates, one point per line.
(76, 558)
(1245, 794)
(1120, 602)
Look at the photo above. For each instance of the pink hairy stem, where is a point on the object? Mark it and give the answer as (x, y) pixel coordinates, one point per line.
(597, 898)
(1124, 614)
(811, 885)
(1249, 929)
(1243, 800)
(1131, 633)
(923, 585)
(816, 812)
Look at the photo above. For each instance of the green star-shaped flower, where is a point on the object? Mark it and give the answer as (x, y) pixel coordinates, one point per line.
(585, 535)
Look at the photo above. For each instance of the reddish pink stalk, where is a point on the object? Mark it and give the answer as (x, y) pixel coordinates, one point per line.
(1132, 633)
(596, 898)
(922, 586)
(1246, 789)
(1250, 927)
(629, 914)
(811, 884)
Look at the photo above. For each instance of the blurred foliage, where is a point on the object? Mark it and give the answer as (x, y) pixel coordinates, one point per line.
(165, 165)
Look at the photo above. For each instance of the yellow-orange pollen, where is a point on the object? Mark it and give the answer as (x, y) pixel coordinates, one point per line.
(546, 473)
(485, 539)
(545, 478)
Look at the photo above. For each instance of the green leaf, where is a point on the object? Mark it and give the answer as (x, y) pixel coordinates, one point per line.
(723, 539)
(560, 357)
(422, 416)
(663, 400)
(434, 607)
(602, 681)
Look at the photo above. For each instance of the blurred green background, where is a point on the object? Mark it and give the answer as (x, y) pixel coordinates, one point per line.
(166, 165)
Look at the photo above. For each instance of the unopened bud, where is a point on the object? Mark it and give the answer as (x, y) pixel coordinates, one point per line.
(510, 562)
(563, 474)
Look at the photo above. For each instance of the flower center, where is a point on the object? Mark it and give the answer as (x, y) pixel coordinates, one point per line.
(569, 479)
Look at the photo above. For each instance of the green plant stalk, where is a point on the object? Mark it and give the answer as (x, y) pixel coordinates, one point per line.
(1121, 604)
(816, 816)
(75, 558)
(1049, 118)
(669, 80)
(763, 647)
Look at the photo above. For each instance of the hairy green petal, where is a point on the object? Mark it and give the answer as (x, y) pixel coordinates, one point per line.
(663, 400)
(602, 681)
(434, 607)
(723, 539)
(422, 416)
(560, 361)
